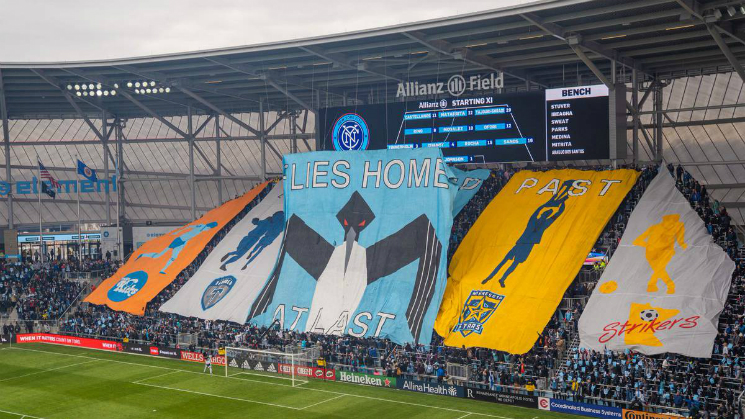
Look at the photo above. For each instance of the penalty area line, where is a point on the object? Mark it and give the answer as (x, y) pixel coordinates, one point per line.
(19, 414)
(218, 396)
(323, 401)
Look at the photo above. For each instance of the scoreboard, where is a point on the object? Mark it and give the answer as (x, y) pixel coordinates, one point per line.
(577, 123)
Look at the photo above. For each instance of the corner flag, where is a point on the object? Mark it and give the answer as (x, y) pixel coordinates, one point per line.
(87, 172)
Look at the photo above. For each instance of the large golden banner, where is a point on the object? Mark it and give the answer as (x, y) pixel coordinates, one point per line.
(514, 265)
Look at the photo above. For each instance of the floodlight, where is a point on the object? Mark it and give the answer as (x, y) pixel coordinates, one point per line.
(69, 87)
(731, 11)
(148, 90)
(152, 83)
(116, 85)
(85, 86)
(78, 93)
(77, 87)
(137, 91)
(105, 92)
(161, 90)
(168, 90)
(137, 84)
(85, 93)
(98, 86)
(113, 93)
(91, 86)
(129, 84)
(99, 93)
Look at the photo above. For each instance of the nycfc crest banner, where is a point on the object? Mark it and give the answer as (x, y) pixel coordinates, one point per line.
(235, 271)
(666, 284)
(156, 264)
(365, 245)
(512, 268)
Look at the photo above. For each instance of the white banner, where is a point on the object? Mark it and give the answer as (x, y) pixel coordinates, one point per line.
(665, 285)
(228, 281)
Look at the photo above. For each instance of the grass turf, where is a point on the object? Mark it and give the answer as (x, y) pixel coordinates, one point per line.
(50, 381)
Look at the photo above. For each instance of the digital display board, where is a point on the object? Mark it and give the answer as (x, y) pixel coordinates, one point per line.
(553, 125)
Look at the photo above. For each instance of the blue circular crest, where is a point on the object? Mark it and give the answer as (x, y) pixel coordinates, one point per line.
(350, 133)
(127, 286)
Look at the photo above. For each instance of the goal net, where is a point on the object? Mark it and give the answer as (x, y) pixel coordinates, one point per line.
(264, 363)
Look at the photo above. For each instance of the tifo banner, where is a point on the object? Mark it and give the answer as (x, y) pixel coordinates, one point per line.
(512, 268)
(105, 345)
(312, 372)
(468, 183)
(523, 400)
(577, 408)
(442, 389)
(365, 245)
(157, 263)
(235, 271)
(666, 284)
(366, 379)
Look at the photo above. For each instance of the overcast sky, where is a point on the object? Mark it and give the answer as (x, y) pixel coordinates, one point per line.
(70, 30)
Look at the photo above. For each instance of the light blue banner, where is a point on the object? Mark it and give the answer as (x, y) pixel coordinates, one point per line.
(364, 250)
(469, 182)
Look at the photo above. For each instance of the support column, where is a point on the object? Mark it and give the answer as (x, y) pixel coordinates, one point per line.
(293, 132)
(635, 118)
(218, 152)
(658, 122)
(120, 164)
(192, 186)
(105, 154)
(262, 135)
(6, 141)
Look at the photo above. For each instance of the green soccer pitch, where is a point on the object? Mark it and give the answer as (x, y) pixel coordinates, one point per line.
(49, 381)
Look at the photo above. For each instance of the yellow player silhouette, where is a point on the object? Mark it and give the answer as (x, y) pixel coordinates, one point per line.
(659, 241)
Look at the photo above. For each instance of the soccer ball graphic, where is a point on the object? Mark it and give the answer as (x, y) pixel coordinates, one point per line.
(649, 315)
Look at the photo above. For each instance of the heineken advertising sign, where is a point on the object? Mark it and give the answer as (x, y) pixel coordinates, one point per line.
(366, 379)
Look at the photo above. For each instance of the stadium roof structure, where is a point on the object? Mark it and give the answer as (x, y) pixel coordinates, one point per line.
(547, 43)
(682, 55)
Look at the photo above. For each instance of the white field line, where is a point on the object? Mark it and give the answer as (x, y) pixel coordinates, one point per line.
(43, 371)
(261, 375)
(19, 414)
(217, 395)
(273, 384)
(461, 417)
(155, 376)
(323, 401)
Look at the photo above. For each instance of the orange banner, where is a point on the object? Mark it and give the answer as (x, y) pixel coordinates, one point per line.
(156, 263)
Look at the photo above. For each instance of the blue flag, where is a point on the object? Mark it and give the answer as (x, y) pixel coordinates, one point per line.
(87, 172)
(365, 245)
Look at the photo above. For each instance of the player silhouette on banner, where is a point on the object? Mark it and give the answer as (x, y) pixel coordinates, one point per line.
(178, 244)
(541, 220)
(659, 241)
(256, 240)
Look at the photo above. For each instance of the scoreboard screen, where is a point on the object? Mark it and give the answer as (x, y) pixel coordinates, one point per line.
(558, 124)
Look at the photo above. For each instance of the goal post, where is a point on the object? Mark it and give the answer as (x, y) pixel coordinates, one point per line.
(264, 363)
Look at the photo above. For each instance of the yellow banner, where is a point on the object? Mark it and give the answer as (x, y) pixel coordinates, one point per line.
(156, 263)
(514, 265)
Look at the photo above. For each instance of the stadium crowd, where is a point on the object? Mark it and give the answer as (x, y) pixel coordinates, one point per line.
(556, 365)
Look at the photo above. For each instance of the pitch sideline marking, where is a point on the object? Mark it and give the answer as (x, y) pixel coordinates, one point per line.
(43, 371)
(217, 395)
(19, 414)
(323, 401)
(466, 415)
(270, 383)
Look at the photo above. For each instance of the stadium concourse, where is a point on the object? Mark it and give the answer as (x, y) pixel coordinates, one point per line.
(525, 212)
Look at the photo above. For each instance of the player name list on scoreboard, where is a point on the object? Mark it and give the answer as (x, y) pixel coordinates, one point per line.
(569, 115)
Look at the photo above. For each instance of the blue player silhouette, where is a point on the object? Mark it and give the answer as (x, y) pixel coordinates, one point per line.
(257, 239)
(541, 220)
(178, 244)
